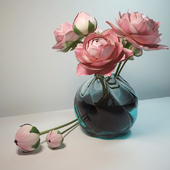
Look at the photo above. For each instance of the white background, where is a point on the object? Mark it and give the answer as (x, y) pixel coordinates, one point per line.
(34, 78)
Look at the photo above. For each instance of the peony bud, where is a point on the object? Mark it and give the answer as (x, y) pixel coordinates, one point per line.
(27, 138)
(66, 38)
(136, 51)
(84, 24)
(54, 139)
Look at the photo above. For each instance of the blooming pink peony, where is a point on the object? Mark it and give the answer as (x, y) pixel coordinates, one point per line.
(65, 37)
(100, 53)
(139, 30)
(54, 139)
(84, 24)
(27, 138)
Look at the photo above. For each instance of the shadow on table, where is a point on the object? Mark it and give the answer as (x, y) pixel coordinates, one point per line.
(124, 136)
(62, 146)
(38, 150)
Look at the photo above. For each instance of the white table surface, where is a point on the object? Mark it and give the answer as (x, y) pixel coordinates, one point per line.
(146, 148)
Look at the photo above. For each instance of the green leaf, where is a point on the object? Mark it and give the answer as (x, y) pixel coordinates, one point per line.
(77, 31)
(34, 130)
(36, 145)
(91, 27)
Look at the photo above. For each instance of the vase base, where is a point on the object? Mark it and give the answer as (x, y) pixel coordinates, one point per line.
(108, 136)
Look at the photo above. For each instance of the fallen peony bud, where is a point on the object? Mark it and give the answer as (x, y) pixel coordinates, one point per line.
(27, 138)
(54, 139)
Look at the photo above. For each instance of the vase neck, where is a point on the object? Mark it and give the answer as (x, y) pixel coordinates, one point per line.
(107, 81)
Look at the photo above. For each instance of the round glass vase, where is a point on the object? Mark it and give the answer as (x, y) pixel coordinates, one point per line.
(106, 106)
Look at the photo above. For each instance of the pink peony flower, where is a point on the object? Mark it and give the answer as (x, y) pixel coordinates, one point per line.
(138, 29)
(65, 37)
(100, 53)
(54, 139)
(27, 138)
(84, 24)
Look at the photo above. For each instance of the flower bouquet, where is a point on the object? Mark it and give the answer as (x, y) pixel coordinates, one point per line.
(105, 105)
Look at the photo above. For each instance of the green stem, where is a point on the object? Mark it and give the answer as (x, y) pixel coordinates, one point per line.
(117, 69)
(122, 66)
(70, 127)
(78, 123)
(46, 131)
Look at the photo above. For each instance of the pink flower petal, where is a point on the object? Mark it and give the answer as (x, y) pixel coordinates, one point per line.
(133, 17)
(127, 27)
(156, 26)
(138, 45)
(79, 52)
(106, 52)
(116, 29)
(143, 28)
(81, 70)
(155, 47)
(70, 36)
(146, 39)
(126, 16)
(58, 46)
(107, 71)
(109, 32)
(117, 51)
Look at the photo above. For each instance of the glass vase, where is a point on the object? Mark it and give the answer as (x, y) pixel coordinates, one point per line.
(106, 106)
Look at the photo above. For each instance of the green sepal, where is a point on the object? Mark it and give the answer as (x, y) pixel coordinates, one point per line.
(62, 141)
(61, 134)
(68, 46)
(36, 145)
(122, 40)
(68, 43)
(34, 130)
(71, 45)
(66, 50)
(96, 24)
(77, 31)
(91, 27)
(25, 124)
(58, 132)
(128, 45)
(130, 58)
(136, 52)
